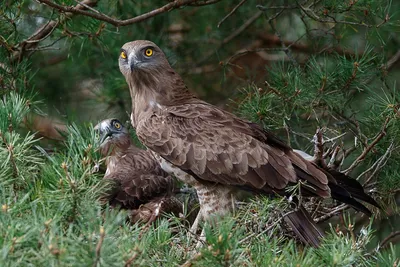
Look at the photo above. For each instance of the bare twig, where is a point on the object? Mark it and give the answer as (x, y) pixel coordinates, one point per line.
(230, 13)
(232, 36)
(334, 138)
(242, 28)
(332, 161)
(117, 22)
(265, 230)
(368, 148)
(37, 36)
(87, 6)
(393, 60)
(284, 48)
(265, 8)
(131, 259)
(204, 3)
(245, 52)
(309, 13)
(313, 215)
(98, 247)
(388, 238)
(377, 165)
(331, 213)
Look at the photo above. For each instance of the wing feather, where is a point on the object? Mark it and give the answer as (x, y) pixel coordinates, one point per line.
(137, 179)
(218, 147)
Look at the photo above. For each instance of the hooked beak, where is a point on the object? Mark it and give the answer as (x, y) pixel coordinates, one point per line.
(105, 133)
(132, 62)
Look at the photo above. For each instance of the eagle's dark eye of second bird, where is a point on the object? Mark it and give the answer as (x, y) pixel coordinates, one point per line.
(148, 52)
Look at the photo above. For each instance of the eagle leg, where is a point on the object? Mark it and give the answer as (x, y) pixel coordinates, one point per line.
(195, 226)
(202, 239)
(196, 222)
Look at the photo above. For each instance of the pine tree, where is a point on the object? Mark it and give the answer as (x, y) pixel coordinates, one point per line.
(320, 74)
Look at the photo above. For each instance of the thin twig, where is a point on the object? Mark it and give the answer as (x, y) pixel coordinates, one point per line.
(313, 16)
(34, 39)
(332, 161)
(131, 259)
(98, 247)
(388, 238)
(393, 60)
(367, 149)
(242, 28)
(265, 8)
(316, 209)
(230, 13)
(232, 36)
(284, 48)
(331, 213)
(205, 3)
(87, 6)
(245, 52)
(379, 164)
(334, 138)
(265, 230)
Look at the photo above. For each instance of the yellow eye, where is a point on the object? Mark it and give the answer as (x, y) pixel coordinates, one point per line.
(117, 125)
(148, 52)
(123, 54)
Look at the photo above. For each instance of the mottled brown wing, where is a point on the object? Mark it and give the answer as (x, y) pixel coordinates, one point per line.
(216, 146)
(137, 180)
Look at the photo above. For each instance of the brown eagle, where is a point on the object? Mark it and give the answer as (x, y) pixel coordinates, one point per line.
(217, 152)
(137, 181)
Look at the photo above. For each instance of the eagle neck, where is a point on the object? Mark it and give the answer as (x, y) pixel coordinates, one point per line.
(156, 90)
(162, 86)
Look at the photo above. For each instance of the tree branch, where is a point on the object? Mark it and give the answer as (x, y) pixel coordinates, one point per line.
(116, 22)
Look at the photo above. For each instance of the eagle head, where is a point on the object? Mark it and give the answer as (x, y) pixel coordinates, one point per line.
(113, 136)
(141, 55)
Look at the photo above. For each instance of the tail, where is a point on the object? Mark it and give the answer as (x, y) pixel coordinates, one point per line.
(348, 190)
(304, 227)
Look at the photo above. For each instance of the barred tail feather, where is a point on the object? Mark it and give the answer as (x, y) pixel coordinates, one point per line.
(304, 227)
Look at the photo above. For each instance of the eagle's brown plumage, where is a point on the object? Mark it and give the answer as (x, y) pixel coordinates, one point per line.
(137, 181)
(211, 149)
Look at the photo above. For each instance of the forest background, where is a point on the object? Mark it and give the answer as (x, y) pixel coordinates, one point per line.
(313, 72)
